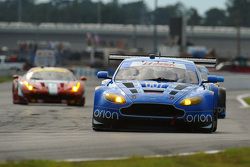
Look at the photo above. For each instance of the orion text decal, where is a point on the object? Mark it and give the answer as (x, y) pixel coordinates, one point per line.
(199, 118)
(106, 114)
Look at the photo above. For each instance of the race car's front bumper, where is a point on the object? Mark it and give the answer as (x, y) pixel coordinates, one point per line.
(45, 97)
(147, 118)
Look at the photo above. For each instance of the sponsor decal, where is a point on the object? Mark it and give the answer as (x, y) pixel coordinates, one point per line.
(52, 87)
(98, 113)
(154, 85)
(158, 64)
(199, 118)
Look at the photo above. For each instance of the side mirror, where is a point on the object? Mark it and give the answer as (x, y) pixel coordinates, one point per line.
(83, 78)
(214, 79)
(15, 76)
(220, 79)
(103, 75)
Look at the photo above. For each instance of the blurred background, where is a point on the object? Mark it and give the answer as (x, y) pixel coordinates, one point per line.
(82, 33)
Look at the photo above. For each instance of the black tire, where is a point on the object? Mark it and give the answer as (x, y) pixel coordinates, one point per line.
(214, 124)
(222, 103)
(20, 101)
(80, 103)
(95, 128)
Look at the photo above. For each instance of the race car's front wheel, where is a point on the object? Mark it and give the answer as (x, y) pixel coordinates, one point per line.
(96, 127)
(16, 99)
(213, 127)
(19, 100)
(79, 103)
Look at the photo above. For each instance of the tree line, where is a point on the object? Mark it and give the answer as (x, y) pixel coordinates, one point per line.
(236, 13)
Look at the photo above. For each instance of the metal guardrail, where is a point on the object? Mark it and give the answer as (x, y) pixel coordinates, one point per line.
(78, 71)
(117, 28)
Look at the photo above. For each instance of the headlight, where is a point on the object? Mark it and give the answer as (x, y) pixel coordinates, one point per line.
(28, 86)
(76, 87)
(191, 101)
(118, 99)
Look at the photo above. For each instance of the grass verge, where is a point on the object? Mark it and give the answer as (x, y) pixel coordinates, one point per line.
(230, 158)
(5, 79)
(247, 100)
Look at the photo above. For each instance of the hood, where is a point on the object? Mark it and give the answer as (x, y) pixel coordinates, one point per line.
(46, 83)
(155, 92)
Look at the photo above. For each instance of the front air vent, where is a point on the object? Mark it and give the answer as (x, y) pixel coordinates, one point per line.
(173, 92)
(129, 85)
(152, 110)
(153, 91)
(180, 87)
(133, 91)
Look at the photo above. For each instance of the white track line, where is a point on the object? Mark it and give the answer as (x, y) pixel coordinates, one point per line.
(150, 156)
(242, 102)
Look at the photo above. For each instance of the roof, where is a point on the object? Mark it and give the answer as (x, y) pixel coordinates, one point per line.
(183, 61)
(51, 69)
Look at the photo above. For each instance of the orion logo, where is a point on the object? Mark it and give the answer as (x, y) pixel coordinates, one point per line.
(106, 114)
(154, 85)
(197, 118)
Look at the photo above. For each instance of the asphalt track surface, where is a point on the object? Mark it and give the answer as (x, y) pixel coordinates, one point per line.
(60, 132)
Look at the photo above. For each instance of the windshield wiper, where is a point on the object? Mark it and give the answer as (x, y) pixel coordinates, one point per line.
(162, 79)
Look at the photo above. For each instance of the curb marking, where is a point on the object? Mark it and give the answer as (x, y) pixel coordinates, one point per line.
(242, 102)
(150, 156)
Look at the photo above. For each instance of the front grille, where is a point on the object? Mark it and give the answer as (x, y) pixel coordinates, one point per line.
(48, 97)
(154, 110)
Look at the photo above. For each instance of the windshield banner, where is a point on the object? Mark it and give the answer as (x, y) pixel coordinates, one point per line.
(157, 64)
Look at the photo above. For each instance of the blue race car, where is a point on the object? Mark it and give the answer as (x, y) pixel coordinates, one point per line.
(148, 92)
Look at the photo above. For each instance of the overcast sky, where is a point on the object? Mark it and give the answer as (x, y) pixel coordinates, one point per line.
(200, 5)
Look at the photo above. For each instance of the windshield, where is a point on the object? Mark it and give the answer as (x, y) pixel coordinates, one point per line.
(156, 71)
(51, 75)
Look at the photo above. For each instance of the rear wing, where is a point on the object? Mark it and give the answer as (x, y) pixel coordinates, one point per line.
(207, 62)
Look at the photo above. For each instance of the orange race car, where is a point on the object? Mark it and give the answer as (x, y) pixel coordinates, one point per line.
(48, 85)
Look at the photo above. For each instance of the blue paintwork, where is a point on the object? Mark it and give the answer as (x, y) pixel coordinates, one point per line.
(103, 75)
(215, 79)
(106, 111)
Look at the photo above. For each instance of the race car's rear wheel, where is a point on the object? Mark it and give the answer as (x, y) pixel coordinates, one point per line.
(82, 102)
(222, 104)
(215, 122)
